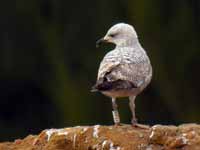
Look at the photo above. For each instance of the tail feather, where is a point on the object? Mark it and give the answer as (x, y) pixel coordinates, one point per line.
(114, 85)
(94, 89)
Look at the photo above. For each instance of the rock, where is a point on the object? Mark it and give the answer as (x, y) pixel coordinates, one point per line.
(125, 137)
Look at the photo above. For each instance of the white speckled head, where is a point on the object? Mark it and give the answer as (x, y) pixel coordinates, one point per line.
(121, 34)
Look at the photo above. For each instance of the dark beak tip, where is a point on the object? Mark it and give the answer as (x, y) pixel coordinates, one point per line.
(100, 41)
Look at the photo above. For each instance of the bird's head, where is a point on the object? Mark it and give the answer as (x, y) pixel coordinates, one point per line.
(121, 34)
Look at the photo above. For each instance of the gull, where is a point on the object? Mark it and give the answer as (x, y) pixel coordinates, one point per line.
(124, 71)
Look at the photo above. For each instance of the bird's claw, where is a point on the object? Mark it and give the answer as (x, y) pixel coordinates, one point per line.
(140, 126)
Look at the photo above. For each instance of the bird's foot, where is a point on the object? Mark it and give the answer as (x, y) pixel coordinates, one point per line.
(140, 126)
(135, 124)
(134, 121)
(117, 124)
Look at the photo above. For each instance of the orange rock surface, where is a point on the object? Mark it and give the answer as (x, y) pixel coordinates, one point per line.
(125, 137)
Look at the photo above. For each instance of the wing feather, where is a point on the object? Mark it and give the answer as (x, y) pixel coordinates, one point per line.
(127, 65)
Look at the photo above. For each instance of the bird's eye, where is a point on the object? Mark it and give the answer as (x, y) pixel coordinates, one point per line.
(112, 35)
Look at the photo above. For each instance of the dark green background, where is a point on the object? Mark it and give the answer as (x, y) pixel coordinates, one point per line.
(48, 62)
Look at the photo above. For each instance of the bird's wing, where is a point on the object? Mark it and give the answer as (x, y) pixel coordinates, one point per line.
(111, 60)
(106, 67)
(125, 66)
(123, 76)
(136, 73)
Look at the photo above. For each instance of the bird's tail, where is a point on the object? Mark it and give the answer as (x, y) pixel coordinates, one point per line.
(94, 89)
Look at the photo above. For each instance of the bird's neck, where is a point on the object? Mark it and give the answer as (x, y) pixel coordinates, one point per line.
(128, 43)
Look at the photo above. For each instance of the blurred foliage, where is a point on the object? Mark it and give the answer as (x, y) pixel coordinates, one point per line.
(49, 62)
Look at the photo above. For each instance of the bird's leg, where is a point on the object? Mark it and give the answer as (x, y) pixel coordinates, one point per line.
(132, 107)
(115, 112)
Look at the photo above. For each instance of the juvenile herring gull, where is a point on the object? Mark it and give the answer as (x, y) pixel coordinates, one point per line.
(124, 71)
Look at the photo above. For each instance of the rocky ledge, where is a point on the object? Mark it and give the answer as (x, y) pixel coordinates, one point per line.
(124, 137)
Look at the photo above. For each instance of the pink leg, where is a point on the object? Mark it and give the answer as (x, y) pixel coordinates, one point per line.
(132, 107)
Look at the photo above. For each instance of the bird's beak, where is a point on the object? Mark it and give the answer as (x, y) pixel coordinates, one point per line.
(102, 40)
